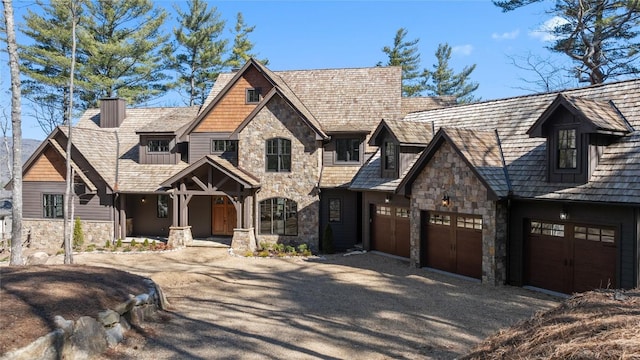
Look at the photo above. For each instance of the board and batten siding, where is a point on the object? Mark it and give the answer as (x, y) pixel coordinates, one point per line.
(329, 155)
(623, 218)
(87, 207)
(345, 231)
(200, 146)
(160, 158)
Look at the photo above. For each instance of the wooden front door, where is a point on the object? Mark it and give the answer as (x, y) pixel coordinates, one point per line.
(224, 216)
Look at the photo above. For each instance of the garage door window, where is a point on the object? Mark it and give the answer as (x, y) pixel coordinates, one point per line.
(440, 219)
(605, 235)
(469, 222)
(545, 228)
(383, 210)
(402, 212)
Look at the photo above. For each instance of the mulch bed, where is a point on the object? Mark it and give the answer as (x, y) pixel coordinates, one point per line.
(30, 297)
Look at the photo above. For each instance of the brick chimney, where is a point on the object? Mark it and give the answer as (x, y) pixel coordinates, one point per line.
(112, 112)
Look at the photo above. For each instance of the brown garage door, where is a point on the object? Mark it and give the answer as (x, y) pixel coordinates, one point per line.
(452, 242)
(568, 257)
(390, 230)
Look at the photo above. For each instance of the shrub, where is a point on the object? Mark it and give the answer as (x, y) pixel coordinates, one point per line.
(145, 243)
(91, 247)
(107, 244)
(154, 244)
(327, 240)
(290, 249)
(78, 235)
(248, 253)
(134, 243)
(264, 253)
(280, 247)
(119, 243)
(127, 249)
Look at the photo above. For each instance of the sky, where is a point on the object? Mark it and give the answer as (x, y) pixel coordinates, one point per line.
(298, 35)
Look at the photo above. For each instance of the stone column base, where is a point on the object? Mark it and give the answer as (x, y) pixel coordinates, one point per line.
(180, 236)
(243, 240)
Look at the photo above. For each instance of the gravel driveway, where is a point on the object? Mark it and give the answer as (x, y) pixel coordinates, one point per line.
(339, 307)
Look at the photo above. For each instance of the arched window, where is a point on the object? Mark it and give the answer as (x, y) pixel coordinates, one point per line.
(278, 155)
(279, 216)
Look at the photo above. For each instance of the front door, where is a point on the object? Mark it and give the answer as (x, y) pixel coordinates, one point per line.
(224, 216)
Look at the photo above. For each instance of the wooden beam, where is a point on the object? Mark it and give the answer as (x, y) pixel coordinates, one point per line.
(199, 183)
(220, 183)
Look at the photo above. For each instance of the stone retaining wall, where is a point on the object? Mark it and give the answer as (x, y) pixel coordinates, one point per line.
(87, 337)
(49, 233)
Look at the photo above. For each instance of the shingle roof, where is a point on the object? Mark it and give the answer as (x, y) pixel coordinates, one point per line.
(413, 104)
(171, 122)
(526, 157)
(337, 176)
(602, 114)
(410, 132)
(368, 178)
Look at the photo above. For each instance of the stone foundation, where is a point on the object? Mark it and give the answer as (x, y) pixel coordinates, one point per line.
(243, 240)
(180, 236)
(49, 233)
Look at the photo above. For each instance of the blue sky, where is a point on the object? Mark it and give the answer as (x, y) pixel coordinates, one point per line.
(336, 34)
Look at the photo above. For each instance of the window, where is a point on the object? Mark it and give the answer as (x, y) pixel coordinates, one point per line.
(440, 219)
(279, 216)
(253, 96)
(348, 150)
(605, 235)
(53, 206)
(402, 212)
(389, 157)
(161, 145)
(567, 150)
(469, 222)
(543, 228)
(335, 210)
(278, 155)
(220, 146)
(163, 206)
(383, 210)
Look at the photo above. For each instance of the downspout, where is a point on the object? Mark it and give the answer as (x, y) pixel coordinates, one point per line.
(116, 196)
(507, 249)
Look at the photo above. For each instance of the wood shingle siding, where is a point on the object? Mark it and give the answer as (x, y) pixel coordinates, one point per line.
(233, 108)
(49, 166)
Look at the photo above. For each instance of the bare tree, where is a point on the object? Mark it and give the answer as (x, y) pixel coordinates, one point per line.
(68, 204)
(546, 75)
(4, 127)
(16, 129)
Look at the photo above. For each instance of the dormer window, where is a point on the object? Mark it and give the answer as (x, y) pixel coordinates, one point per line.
(567, 149)
(158, 146)
(253, 96)
(347, 150)
(389, 156)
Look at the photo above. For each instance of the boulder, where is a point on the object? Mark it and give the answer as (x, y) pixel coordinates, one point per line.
(108, 318)
(115, 335)
(88, 339)
(37, 258)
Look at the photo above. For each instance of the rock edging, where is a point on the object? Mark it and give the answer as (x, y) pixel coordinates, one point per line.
(88, 336)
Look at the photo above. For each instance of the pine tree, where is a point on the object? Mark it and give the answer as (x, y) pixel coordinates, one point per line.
(47, 61)
(600, 36)
(242, 46)
(124, 50)
(199, 58)
(443, 81)
(405, 53)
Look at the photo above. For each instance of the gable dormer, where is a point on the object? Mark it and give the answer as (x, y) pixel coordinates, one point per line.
(399, 142)
(577, 131)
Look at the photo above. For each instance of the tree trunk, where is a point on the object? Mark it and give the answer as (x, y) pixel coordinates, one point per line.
(16, 129)
(68, 199)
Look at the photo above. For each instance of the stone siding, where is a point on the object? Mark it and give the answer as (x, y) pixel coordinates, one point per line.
(278, 120)
(49, 233)
(447, 173)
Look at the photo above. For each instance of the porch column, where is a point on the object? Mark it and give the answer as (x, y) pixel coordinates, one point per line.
(175, 208)
(123, 216)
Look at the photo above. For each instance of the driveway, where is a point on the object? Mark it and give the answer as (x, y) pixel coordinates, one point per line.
(338, 307)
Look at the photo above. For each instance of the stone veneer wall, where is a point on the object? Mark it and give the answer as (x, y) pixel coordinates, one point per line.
(49, 233)
(278, 119)
(447, 173)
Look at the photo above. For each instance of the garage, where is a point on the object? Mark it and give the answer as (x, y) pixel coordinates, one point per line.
(390, 230)
(452, 242)
(568, 257)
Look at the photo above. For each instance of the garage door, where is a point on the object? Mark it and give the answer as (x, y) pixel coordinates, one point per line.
(452, 242)
(569, 257)
(390, 230)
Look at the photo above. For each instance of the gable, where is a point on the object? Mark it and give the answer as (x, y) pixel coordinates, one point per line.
(232, 108)
(48, 166)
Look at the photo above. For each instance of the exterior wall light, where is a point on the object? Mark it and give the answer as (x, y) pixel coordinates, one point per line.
(144, 198)
(564, 214)
(387, 199)
(446, 200)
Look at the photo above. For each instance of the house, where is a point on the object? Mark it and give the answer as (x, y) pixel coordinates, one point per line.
(540, 190)
(267, 158)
